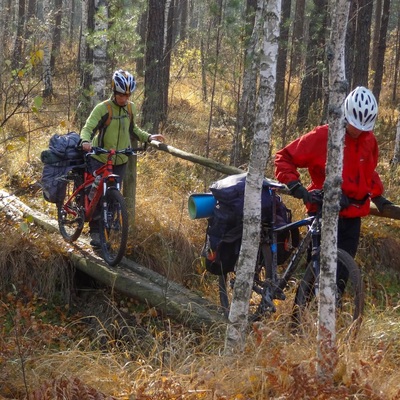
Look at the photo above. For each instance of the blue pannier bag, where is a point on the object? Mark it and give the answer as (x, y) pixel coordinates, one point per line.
(62, 156)
(224, 230)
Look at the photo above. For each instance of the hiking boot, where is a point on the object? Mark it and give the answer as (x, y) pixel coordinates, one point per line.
(95, 239)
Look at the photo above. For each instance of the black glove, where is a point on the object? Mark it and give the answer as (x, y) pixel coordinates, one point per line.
(381, 202)
(344, 202)
(299, 191)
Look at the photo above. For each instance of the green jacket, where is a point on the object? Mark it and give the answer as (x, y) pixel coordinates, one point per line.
(117, 135)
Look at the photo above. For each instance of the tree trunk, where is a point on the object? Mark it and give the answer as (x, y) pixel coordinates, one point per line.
(152, 108)
(362, 43)
(377, 29)
(141, 29)
(396, 155)
(130, 184)
(56, 43)
(2, 55)
(100, 77)
(184, 12)
(381, 50)
(350, 39)
(17, 53)
(397, 60)
(339, 11)
(72, 26)
(238, 316)
(311, 87)
(282, 55)
(47, 78)
(247, 103)
(166, 61)
(298, 38)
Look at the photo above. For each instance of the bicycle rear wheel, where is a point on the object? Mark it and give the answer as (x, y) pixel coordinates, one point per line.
(71, 215)
(349, 299)
(113, 227)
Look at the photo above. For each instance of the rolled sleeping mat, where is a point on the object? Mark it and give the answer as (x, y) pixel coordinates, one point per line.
(201, 205)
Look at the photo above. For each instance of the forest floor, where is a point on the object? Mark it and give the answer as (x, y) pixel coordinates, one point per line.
(61, 332)
(64, 336)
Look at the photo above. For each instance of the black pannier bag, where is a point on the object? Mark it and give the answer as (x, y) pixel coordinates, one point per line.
(224, 230)
(62, 156)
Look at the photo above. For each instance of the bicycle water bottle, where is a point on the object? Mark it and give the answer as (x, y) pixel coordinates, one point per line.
(94, 187)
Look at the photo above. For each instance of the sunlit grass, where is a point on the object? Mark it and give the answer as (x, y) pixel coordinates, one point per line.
(134, 353)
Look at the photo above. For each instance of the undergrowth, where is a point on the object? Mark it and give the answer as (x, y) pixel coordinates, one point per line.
(61, 336)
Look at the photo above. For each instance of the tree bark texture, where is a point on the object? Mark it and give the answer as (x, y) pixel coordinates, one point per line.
(362, 43)
(381, 50)
(312, 83)
(152, 108)
(238, 316)
(339, 10)
(100, 53)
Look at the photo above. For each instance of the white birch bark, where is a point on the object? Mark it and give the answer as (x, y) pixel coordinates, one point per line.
(238, 316)
(396, 156)
(47, 35)
(332, 186)
(100, 53)
(248, 98)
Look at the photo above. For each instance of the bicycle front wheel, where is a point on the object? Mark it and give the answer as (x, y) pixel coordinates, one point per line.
(113, 227)
(70, 212)
(349, 298)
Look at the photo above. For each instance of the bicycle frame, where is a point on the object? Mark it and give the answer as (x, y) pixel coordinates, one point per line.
(108, 179)
(107, 176)
(274, 286)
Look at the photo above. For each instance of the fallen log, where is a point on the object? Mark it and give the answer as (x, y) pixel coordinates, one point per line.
(129, 278)
(389, 211)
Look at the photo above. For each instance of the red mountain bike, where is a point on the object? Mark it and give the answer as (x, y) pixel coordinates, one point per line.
(78, 206)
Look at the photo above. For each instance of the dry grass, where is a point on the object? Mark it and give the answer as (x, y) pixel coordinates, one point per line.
(132, 354)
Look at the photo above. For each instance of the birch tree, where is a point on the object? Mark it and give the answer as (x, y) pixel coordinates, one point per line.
(339, 10)
(47, 79)
(238, 316)
(100, 53)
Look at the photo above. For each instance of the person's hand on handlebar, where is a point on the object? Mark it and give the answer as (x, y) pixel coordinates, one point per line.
(86, 146)
(298, 191)
(156, 136)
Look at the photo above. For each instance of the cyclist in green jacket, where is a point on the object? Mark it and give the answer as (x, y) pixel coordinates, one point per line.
(111, 125)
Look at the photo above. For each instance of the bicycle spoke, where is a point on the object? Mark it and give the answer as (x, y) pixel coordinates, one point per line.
(71, 215)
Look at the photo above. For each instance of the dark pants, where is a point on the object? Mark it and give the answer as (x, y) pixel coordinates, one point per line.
(349, 230)
(94, 164)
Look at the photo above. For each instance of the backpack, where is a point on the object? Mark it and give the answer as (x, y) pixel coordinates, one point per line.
(224, 229)
(61, 157)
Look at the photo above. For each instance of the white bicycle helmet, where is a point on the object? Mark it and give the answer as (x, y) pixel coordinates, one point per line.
(361, 109)
(123, 82)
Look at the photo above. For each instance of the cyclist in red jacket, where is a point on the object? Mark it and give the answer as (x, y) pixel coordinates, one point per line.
(361, 183)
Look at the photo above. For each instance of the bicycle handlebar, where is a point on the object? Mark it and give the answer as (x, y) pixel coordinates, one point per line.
(129, 151)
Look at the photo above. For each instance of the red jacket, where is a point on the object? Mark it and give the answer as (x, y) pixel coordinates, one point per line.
(360, 158)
